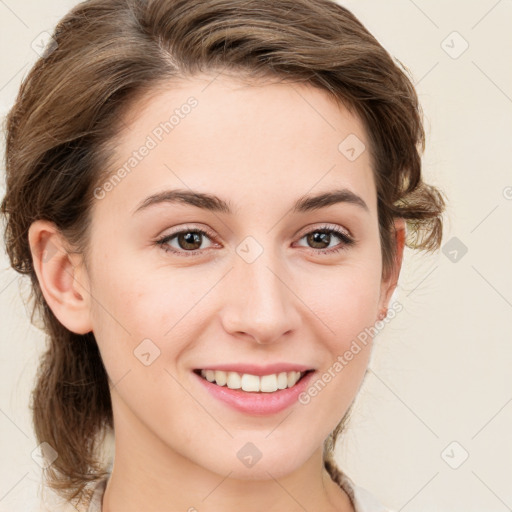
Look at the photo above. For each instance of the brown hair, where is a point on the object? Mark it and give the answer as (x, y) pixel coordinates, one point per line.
(108, 54)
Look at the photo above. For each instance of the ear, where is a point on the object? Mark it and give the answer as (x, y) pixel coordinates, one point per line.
(389, 284)
(62, 276)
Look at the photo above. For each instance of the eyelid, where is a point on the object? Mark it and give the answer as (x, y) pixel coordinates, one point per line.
(164, 239)
(346, 237)
(325, 226)
(189, 227)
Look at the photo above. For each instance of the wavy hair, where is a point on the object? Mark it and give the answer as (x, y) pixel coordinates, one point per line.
(107, 54)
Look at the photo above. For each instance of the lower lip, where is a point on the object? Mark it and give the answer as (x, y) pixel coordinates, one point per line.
(257, 403)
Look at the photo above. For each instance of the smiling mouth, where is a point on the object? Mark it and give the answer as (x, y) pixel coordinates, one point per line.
(253, 383)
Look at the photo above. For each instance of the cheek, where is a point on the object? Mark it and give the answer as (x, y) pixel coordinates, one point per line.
(138, 311)
(143, 326)
(345, 299)
(347, 305)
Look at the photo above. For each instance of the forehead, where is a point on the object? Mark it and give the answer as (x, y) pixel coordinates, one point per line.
(217, 133)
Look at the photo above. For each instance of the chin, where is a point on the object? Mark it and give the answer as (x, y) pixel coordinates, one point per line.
(257, 461)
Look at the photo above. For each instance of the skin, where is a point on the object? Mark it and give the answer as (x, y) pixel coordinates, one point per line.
(260, 147)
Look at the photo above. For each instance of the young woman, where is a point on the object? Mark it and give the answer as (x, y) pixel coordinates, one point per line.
(211, 200)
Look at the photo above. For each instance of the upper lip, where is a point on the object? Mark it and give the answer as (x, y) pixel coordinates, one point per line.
(258, 370)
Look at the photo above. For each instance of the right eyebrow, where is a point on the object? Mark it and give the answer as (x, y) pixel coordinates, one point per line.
(200, 199)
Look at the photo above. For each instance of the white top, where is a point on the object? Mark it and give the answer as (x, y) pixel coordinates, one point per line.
(362, 500)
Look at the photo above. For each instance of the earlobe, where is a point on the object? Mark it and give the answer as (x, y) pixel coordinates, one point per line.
(61, 275)
(388, 286)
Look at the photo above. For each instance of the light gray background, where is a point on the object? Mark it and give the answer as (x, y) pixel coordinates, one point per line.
(441, 370)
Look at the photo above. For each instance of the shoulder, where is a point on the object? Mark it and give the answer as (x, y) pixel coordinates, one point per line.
(362, 499)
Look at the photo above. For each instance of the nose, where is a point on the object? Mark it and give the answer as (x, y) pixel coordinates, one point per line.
(260, 304)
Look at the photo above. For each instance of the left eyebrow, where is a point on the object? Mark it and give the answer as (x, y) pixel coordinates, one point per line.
(214, 203)
(322, 200)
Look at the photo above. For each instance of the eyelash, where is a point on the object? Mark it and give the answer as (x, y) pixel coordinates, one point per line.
(346, 239)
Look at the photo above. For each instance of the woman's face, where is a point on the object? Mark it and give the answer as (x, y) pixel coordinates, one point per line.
(264, 293)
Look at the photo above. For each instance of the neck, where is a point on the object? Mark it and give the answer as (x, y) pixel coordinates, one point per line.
(149, 475)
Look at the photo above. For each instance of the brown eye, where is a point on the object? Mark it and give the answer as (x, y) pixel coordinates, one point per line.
(186, 242)
(189, 240)
(320, 239)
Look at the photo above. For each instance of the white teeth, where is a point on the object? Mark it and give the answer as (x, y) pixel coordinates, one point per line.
(269, 383)
(293, 377)
(252, 383)
(234, 380)
(282, 381)
(221, 377)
